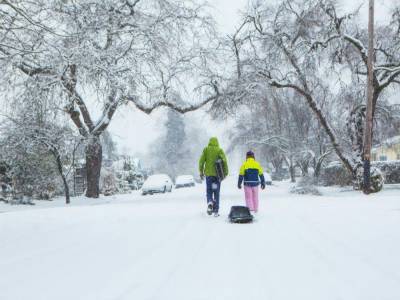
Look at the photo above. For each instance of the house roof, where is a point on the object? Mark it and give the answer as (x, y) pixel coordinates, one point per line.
(387, 143)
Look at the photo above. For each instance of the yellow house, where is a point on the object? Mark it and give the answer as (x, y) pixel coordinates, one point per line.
(388, 150)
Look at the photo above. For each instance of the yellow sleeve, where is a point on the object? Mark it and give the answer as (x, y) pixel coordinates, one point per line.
(202, 161)
(242, 169)
(260, 170)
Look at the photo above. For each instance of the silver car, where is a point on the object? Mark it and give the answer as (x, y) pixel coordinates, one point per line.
(184, 181)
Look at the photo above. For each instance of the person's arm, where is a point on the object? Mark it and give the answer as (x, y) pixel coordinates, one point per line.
(202, 161)
(225, 162)
(241, 176)
(261, 174)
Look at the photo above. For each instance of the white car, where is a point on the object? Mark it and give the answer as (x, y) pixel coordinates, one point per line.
(268, 180)
(184, 181)
(158, 183)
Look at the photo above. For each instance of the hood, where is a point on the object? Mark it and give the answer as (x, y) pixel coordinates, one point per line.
(213, 142)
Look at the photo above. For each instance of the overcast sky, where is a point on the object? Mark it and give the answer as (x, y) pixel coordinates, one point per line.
(134, 131)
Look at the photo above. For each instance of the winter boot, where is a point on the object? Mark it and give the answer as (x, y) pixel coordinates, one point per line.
(210, 208)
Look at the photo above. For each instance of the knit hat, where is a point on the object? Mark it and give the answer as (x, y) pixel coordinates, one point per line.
(250, 154)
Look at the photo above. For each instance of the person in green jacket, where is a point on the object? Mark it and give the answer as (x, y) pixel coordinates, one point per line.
(207, 168)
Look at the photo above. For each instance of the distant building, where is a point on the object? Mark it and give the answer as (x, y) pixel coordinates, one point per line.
(388, 150)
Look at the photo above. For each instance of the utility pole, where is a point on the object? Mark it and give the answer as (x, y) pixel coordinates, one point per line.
(370, 94)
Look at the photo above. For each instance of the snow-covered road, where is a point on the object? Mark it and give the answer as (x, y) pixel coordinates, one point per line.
(342, 245)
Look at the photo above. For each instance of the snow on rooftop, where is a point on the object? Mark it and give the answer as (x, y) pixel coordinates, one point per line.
(388, 142)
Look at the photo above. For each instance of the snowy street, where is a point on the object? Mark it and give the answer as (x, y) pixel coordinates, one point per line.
(112, 112)
(339, 246)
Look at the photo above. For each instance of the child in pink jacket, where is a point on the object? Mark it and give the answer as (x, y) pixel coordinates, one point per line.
(251, 174)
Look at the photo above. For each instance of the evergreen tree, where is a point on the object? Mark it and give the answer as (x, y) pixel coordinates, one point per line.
(171, 154)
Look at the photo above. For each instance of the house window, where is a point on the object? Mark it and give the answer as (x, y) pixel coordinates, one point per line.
(382, 157)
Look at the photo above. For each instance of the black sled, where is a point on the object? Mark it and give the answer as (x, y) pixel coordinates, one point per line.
(240, 214)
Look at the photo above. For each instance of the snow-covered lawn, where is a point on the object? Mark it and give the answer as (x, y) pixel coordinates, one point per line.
(342, 245)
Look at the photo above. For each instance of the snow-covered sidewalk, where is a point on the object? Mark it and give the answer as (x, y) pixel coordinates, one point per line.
(342, 245)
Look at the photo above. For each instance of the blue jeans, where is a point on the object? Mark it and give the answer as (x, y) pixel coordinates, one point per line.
(213, 188)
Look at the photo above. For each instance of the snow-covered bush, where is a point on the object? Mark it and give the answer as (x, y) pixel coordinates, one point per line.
(335, 174)
(390, 170)
(5, 183)
(306, 186)
(33, 174)
(37, 153)
(7, 192)
(108, 182)
(129, 180)
(21, 200)
(377, 179)
(129, 174)
(120, 178)
(387, 172)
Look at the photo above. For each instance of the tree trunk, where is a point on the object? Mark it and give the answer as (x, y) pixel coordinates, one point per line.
(292, 170)
(56, 155)
(303, 165)
(66, 189)
(292, 173)
(93, 153)
(318, 167)
(277, 164)
(370, 102)
(355, 129)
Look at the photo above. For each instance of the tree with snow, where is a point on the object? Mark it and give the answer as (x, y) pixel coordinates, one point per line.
(111, 53)
(172, 153)
(302, 46)
(39, 154)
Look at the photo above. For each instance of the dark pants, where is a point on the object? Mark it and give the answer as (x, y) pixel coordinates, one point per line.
(213, 187)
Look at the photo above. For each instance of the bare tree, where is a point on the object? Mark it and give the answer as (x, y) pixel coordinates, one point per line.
(354, 52)
(286, 38)
(302, 46)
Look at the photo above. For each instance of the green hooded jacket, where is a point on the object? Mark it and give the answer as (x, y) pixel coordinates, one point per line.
(209, 156)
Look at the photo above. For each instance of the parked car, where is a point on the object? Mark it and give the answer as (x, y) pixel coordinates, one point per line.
(184, 181)
(157, 183)
(281, 175)
(268, 179)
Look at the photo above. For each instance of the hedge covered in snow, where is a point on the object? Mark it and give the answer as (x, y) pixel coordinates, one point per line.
(336, 174)
(390, 170)
(306, 186)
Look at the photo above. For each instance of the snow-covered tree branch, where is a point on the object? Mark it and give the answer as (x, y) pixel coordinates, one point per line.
(112, 53)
